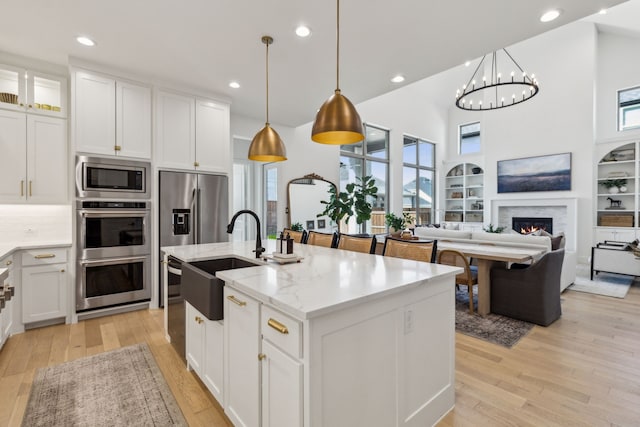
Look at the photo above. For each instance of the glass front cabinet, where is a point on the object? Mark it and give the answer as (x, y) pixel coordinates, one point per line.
(32, 91)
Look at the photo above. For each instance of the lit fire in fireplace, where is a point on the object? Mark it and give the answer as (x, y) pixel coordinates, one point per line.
(529, 230)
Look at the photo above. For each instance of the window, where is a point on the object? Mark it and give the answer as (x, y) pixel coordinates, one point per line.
(270, 200)
(369, 157)
(629, 108)
(418, 171)
(469, 138)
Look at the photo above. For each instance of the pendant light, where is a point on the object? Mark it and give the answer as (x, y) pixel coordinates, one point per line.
(337, 122)
(267, 146)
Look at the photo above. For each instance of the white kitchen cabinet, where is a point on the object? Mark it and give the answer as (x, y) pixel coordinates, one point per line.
(44, 284)
(34, 158)
(33, 91)
(194, 339)
(192, 133)
(241, 364)
(204, 349)
(111, 116)
(282, 390)
(6, 313)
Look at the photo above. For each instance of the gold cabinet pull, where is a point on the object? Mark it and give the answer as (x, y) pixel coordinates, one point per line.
(198, 319)
(262, 356)
(196, 164)
(117, 148)
(9, 262)
(236, 301)
(22, 188)
(278, 326)
(62, 270)
(30, 188)
(42, 256)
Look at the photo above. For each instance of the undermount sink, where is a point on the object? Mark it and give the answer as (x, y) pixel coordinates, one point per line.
(202, 289)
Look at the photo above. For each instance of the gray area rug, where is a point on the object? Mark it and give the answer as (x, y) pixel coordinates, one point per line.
(607, 284)
(123, 387)
(494, 328)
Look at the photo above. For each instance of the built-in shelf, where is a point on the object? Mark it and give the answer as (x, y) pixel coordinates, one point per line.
(464, 194)
(621, 165)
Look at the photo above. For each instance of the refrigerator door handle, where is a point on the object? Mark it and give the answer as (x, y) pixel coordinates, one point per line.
(194, 210)
(198, 208)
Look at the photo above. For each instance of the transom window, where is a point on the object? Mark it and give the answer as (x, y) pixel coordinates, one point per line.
(418, 171)
(629, 108)
(469, 141)
(369, 157)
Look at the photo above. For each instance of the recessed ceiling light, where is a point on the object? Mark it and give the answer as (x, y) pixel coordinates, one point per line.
(550, 15)
(303, 31)
(234, 85)
(397, 79)
(603, 11)
(86, 41)
(467, 63)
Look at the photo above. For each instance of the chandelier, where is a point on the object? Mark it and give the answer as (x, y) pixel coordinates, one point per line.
(498, 91)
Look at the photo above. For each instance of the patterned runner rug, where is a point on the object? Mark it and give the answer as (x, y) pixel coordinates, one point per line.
(123, 387)
(494, 328)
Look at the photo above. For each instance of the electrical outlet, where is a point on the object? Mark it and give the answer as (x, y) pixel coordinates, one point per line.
(408, 322)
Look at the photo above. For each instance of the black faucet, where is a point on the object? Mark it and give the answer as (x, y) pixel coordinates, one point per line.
(259, 249)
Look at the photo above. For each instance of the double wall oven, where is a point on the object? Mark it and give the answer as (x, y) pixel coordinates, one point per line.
(113, 218)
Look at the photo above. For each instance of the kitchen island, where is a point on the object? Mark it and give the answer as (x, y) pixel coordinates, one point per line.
(338, 339)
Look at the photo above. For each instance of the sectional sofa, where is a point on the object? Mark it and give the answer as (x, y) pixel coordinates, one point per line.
(568, 275)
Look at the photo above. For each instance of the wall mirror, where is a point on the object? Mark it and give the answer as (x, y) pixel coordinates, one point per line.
(303, 203)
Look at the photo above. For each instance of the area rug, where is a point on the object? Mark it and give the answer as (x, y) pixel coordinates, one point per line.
(123, 387)
(494, 328)
(607, 284)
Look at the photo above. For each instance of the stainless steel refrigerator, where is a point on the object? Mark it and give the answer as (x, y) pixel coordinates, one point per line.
(194, 208)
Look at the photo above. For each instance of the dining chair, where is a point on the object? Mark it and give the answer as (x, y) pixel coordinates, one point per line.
(529, 292)
(468, 277)
(364, 244)
(297, 236)
(322, 239)
(417, 250)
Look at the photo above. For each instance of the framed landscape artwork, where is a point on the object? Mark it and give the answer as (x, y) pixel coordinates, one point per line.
(542, 173)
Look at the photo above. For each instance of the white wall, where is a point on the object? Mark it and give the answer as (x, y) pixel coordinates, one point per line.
(35, 223)
(618, 68)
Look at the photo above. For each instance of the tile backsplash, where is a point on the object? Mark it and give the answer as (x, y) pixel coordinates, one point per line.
(35, 223)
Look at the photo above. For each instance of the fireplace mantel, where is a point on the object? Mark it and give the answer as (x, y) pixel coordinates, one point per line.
(566, 208)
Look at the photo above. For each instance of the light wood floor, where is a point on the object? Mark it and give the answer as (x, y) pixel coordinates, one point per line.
(584, 370)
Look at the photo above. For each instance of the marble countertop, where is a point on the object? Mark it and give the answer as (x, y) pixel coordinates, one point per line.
(7, 248)
(325, 280)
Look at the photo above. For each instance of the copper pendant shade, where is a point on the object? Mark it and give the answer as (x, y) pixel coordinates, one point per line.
(337, 121)
(266, 145)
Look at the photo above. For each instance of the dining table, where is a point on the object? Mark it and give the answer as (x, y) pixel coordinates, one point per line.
(487, 256)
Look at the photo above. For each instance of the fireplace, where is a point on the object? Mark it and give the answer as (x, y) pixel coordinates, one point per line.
(526, 225)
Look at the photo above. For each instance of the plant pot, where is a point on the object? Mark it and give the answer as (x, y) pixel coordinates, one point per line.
(613, 190)
(476, 170)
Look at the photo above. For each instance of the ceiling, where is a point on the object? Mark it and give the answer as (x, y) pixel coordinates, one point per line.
(205, 44)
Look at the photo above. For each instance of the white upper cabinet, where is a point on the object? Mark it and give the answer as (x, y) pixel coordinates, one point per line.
(111, 117)
(213, 146)
(192, 134)
(32, 91)
(33, 164)
(175, 119)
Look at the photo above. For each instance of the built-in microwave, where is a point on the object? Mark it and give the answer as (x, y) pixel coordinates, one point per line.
(98, 177)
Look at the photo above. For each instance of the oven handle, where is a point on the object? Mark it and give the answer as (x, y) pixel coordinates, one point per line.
(102, 214)
(113, 260)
